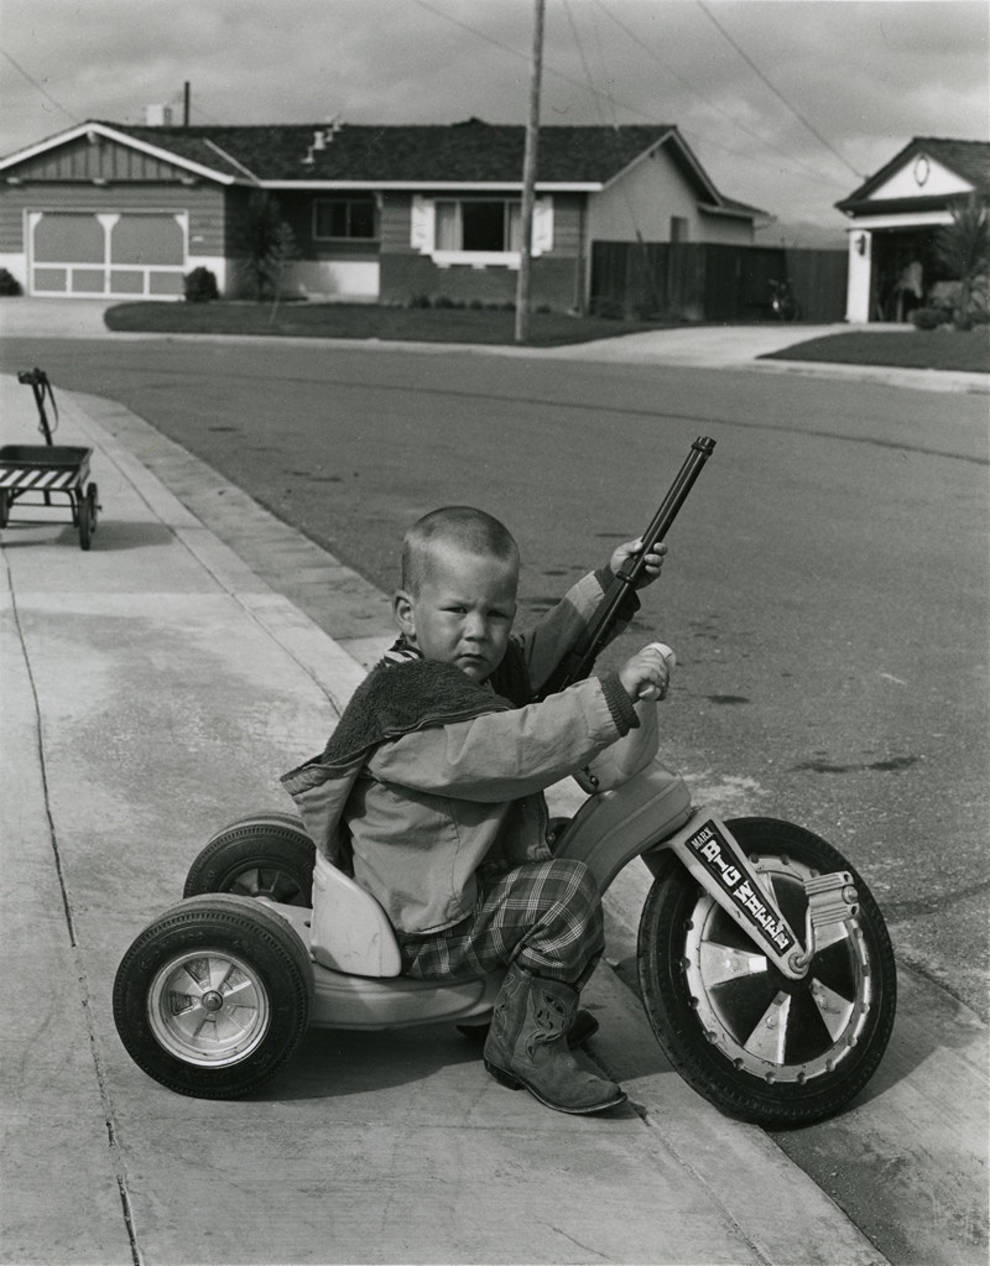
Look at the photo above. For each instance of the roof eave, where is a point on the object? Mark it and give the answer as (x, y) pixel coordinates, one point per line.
(446, 186)
(735, 213)
(855, 208)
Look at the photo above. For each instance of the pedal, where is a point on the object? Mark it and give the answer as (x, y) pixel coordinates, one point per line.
(831, 899)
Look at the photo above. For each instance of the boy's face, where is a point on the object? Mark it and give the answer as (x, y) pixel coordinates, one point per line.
(464, 610)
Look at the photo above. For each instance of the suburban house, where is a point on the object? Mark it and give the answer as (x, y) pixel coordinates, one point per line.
(895, 217)
(383, 214)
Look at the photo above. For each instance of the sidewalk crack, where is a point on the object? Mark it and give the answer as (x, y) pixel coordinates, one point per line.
(116, 1158)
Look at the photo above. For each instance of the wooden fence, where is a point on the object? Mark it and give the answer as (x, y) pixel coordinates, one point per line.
(702, 281)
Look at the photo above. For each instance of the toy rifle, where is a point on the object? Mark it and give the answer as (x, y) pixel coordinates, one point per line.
(577, 663)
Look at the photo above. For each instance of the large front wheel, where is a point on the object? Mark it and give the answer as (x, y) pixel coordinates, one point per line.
(762, 1047)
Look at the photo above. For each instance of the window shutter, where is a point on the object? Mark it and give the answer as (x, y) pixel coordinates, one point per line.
(421, 224)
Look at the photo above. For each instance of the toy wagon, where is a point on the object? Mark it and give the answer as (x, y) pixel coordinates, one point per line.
(35, 473)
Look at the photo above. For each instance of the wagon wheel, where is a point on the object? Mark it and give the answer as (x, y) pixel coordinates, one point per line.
(84, 520)
(93, 501)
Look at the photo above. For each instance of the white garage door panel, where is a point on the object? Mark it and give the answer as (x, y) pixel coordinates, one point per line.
(141, 254)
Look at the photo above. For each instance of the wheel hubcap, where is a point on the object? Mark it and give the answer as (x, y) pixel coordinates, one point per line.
(777, 1029)
(208, 1008)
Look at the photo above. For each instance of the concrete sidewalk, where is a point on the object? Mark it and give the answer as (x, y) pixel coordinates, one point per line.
(154, 688)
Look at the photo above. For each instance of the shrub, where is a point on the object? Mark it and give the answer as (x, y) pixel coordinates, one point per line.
(444, 301)
(420, 301)
(269, 246)
(9, 285)
(930, 318)
(200, 286)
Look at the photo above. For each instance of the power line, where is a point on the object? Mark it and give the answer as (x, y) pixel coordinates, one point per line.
(797, 172)
(39, 87)
(779, 95)
(741, 127)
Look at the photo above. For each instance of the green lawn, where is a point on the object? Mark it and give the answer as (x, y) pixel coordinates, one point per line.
(945, 348)
(362, 321)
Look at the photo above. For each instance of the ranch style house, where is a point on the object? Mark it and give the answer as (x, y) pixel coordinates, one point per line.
(378, 214)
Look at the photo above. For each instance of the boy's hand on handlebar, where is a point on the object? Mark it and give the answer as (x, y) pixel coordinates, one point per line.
(647, 674)
(652, 565)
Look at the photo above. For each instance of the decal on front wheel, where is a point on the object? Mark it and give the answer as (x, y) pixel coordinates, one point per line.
(711, 848)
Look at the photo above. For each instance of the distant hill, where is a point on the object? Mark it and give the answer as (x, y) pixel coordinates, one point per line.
(803, 234)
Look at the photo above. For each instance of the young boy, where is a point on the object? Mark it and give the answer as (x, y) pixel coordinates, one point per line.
(431, 788)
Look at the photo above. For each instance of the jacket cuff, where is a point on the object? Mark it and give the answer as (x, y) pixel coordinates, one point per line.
(630, 602)
(619, 704)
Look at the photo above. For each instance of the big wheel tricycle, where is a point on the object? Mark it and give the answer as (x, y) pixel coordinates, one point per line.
(765, 966)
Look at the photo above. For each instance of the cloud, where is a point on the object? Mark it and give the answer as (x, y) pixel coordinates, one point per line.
(865, 76)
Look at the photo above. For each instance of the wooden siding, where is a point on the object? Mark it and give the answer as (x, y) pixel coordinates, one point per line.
(100, 160)
(204, 204)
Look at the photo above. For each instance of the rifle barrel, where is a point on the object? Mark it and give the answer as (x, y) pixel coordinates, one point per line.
(579, 661)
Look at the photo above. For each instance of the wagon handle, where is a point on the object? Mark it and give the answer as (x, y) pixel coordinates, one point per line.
(37, 380)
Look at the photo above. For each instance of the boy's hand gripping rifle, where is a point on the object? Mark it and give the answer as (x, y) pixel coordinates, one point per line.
(579, 660)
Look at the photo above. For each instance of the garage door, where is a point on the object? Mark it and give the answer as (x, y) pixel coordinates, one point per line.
(107, 253)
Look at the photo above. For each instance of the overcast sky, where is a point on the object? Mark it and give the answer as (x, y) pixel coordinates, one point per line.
(788, 104)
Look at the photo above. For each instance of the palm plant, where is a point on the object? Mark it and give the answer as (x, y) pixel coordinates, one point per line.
(963, 248)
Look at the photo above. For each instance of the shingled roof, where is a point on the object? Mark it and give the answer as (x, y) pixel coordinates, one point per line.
(970, 160)
(471, 152)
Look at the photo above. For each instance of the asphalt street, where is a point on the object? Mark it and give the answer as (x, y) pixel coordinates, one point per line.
(826, 590)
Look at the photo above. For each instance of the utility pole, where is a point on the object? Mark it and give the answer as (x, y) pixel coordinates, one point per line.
(529, 179)
(185, 104)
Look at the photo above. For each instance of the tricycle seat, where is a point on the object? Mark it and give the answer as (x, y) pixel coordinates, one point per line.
(350, 932)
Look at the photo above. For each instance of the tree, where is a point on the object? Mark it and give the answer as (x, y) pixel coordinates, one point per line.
(269, 245)
(963, 248)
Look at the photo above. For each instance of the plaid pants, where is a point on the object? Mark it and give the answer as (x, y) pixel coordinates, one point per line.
(545, 916)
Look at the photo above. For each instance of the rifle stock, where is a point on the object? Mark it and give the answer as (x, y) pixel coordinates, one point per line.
(579, 661)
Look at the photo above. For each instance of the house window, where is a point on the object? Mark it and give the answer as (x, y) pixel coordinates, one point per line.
(680, 230)
(477, 231)
(479, 224)
(344, 217)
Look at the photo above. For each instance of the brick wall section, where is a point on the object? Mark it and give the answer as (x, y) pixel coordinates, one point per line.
(556, 278)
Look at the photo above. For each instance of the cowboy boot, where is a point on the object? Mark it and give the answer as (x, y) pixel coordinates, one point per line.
(527, 1046)
(584, 1028)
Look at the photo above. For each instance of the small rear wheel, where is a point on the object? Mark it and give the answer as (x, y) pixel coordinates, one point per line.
(214, 996)
(93, 501)
(84, 522)
(762, 1047)
(265, 855)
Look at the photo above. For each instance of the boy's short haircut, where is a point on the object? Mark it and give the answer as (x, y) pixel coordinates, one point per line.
(464, 527)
